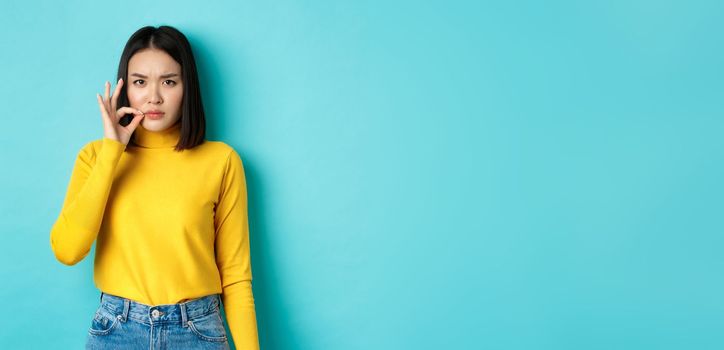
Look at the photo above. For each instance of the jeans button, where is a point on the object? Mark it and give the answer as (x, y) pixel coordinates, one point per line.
(154, 313)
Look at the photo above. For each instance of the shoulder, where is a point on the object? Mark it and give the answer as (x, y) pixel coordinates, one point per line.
(92, 146)
(222, 149)
(228, 157)
(90, 149)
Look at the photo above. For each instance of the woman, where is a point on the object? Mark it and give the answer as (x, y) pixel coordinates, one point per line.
(167, 207)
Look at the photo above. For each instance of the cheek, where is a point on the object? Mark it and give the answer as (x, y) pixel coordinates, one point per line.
(133, 97)
(178, 96)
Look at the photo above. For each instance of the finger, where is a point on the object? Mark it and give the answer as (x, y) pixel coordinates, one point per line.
(127, 110)
(116, 92)
(107, 100)
(134, 123)
(102, 107)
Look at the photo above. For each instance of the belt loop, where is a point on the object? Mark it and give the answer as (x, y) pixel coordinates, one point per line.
(126, 307)
(184, 316)
(218, 296)
(101, 299)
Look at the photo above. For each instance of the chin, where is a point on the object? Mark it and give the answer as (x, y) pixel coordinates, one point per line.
(156, 125)
(153, 125)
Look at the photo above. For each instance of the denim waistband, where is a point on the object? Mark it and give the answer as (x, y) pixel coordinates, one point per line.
(165, 313)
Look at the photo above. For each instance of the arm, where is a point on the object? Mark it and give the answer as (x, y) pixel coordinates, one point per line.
(232, 255)
(80, 218)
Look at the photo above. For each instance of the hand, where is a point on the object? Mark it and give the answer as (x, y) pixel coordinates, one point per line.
(112, 129)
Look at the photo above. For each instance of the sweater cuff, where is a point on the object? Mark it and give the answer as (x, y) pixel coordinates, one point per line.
(114, 146)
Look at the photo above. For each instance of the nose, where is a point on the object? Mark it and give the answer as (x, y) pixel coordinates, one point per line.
(155, 95)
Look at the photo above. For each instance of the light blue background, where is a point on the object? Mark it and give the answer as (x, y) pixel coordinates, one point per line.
(422, 175)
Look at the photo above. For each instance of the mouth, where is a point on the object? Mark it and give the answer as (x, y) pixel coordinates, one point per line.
(153, 115)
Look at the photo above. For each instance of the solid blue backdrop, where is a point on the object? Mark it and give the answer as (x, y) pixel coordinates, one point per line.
(422, 175)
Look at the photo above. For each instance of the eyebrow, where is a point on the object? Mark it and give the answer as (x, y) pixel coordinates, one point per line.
(163, 76)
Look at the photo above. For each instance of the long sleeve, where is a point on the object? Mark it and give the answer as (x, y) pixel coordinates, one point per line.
(233, 257)
(77, 226)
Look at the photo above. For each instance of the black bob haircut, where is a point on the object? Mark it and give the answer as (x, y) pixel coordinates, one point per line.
(175, 44)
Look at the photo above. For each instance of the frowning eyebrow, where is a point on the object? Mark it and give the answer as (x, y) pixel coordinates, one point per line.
(169, 75)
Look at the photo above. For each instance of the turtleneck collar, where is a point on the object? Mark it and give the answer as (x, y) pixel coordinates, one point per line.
(166, 138)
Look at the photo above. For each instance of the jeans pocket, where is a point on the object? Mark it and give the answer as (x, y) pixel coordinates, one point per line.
(208, 327)
(104, 322)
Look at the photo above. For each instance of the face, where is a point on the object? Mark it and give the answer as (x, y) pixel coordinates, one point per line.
(154, 84)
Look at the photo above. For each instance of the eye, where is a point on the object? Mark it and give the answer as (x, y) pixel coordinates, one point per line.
(172, 82)
(137, 80)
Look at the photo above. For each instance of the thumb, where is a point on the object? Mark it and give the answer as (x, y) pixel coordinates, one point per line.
(134, 123)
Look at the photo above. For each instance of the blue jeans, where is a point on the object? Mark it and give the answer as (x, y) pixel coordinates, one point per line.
(121, 323)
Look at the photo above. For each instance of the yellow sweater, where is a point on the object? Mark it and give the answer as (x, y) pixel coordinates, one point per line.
(169, 226)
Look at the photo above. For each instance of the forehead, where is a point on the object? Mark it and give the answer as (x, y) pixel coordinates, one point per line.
(153, 62)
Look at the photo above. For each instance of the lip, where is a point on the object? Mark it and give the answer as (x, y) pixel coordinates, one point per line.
(154, 114)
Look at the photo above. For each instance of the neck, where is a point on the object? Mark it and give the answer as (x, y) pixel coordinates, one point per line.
(166, 138)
